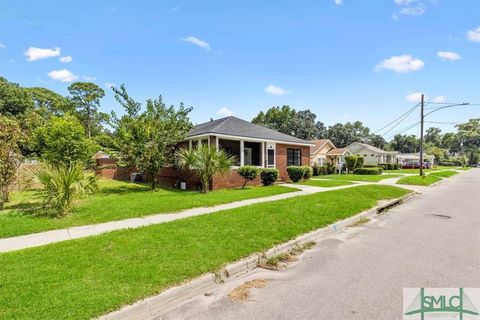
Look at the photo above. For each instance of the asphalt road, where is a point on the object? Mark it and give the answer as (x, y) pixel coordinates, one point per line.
(361, 273)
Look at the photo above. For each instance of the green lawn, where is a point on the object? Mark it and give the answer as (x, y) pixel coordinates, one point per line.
(325, 183)
(443, 174)
(84, 278)
(419, 181)
(357, 177)
(116, 201)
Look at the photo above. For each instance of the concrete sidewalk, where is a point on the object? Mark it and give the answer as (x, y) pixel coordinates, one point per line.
(44, 238)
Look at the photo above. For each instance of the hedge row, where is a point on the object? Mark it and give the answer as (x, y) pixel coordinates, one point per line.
(297, 173)
(390, 166)
(368, 171)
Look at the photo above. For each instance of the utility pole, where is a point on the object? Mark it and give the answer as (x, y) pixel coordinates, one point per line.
(421, 135)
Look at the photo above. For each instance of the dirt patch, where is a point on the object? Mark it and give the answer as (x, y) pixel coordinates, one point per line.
(242, 293)
(359, 222)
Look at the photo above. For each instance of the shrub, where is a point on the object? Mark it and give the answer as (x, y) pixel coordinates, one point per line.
(316, 169)
(368, 171)
(268, 176)
(307, 172)
(397, 166)
(322, 170)
(330, 168)
(295, 173)
(370, 166)
(62, 185)
(360, 161)
(248, 173)
(350, 162)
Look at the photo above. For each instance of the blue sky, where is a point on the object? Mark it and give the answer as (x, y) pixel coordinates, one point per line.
(345, 60)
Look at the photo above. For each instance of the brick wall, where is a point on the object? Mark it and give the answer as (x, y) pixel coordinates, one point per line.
(281, 158)
(232, 180)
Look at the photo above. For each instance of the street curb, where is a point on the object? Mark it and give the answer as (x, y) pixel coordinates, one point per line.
(154, 307)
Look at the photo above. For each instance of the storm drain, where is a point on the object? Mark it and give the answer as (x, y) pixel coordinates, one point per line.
(440, 216)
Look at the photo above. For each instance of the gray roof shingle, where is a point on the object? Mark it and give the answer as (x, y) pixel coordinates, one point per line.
(233, 126)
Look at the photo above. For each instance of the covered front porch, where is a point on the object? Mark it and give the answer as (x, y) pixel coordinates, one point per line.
(245, 151)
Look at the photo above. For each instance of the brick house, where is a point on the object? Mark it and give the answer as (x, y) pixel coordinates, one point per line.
(250, 144)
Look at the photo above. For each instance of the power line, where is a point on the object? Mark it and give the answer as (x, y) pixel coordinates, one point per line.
(405, 129)
(443, 122)
(397, 121)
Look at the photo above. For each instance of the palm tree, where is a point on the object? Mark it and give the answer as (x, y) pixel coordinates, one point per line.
(205, 161)
(62, 184)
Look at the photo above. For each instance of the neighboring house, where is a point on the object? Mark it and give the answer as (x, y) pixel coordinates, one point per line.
(250, 144)
(372, 155)
(405, 158)
(324, 151)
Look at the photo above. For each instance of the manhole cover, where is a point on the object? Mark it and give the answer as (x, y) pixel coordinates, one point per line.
(441, 216)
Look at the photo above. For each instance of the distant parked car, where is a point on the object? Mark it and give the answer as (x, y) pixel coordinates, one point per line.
(416, 165)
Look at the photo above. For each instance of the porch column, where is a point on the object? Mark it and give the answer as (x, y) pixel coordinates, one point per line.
(262, 157)
(242, 153)
(216, 143)
(189, 144)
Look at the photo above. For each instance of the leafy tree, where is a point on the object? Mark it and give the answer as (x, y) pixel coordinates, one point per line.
(147, 140)
(451, 142)
(473, 158)
(378, 141)
(63, 141)
(345, 134)
(62, 185)
(433, 135)
(206, 162)
(439, 153)
(86, 98)
(276, 118)
(14, 100)
(287, 120)
(469, 132)
(405, 143)
(51, 101)
(10, 136)
(305, 126)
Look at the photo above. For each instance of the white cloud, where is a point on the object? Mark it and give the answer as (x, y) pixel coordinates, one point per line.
(401, 64)
(174, 9)
(225, 112)
(198, 42)
(411, 7)
(338, 2)
(62, 75)
(449, 55)
(413, 11)
(65, 59)
(88, 78)
(474, 35)
(439, 99)
(109, 85)
(33, 53)
(275, 90)
(415, 97)
(2, 45)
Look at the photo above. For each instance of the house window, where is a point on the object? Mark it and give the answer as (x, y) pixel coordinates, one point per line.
(365, 155)
(294, 157)
(372, 155)
(271, 158)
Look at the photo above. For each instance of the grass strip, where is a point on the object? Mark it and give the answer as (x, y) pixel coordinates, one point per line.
(116, 201)
(356, 177)
(84, 278)
(443, 174)
(419, 181)
(325, 183)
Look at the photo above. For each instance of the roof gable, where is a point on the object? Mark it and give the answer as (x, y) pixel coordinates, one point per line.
(320, 144)
(233, 126)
